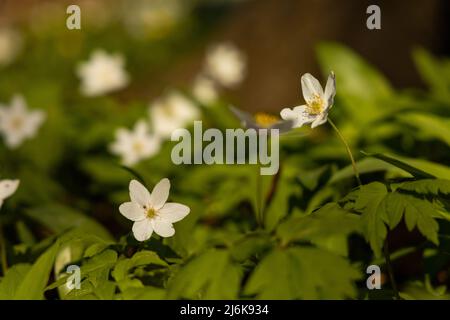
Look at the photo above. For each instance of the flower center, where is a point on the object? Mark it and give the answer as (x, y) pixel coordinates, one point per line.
(168, 111)
(151, 213)
(315, 106)
(137, 147)
(265, 119)
(17, 123)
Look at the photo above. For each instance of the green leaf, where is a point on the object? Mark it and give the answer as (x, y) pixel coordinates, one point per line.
(419, 174)
(432, 71)
(105, 290)
(416, 212)
(360, 86)
(211, 275)
(95, 270)
(435, 169)
(104, 260)
(302, 273)
(139, 259)
(366, 165)
(33, 284)
(329, 221)
(250, 245)
(418, 290)
(86, 292)
(144, 293)
(427, 186)
(374, 216)
(94, 249)
(279, 205)
(428, 125)
(12, 279)
(24, 233)
(105, 171)
(59, 218)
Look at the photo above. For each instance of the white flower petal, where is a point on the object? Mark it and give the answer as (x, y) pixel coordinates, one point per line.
(33, 122)
(139, 194)
(141, 128)
(102, 73)
(321, 119)
(18, 103)
(14, 140)
(174, 212)
(298, 114)
(7, 188)
(142, 230)
(204, 90)
(288, 114)
(132, 211)
(311, 88)
(163, 227)
(226, 64)
(159, 194)
(330, 90)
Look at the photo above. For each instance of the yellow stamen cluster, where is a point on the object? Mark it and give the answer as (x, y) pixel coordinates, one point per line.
(265, 119)
(316, 106)
(17, 122)
(137, 147)
(151, 213)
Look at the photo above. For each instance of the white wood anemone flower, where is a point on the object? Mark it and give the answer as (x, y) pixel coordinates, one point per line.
(102, 73)
(172, 112)
(318, 102)
(136, 144)
(17, 123)
(262, 121)
(7, 189)
(226, 64)
(204, 90)
(151, 211)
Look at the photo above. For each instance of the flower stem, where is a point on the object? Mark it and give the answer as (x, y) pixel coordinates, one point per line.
(355, 169)
(390, 271)
(259, 209)
(4, 260)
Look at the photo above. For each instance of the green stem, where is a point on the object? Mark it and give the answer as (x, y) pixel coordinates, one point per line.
(390, 271)
(259, 214)
(4, 259)
(355, 169)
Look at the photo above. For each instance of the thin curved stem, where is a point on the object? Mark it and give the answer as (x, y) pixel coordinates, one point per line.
(387, 257)
(355, 169)
(259, 205)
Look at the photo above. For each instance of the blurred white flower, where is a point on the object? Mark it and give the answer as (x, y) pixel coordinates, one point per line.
(262, 120)
(7, 189)
(318, 102)
(10, 45)
(204, 90)
(17, 123)
(135, 145)
(225, 64)
(150, 211)
(172, 112)
(103, 73)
